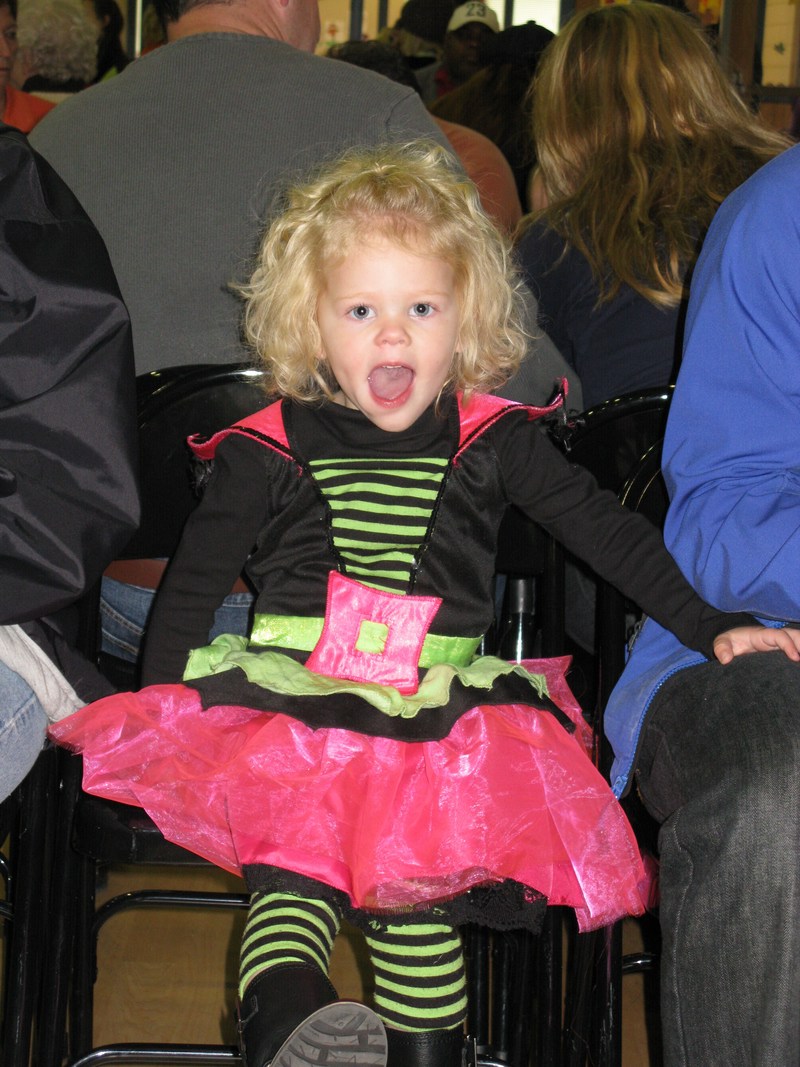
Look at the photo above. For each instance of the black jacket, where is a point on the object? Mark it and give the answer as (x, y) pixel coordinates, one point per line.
(68, 486)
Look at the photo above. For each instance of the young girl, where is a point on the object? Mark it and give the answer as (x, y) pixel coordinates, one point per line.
(354, 758)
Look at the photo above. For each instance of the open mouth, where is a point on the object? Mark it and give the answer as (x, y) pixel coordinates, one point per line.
(391, 383)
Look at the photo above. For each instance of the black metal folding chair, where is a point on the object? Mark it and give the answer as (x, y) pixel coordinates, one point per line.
(593, 1031)
(26, 824)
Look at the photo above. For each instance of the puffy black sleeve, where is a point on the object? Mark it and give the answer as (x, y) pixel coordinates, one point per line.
(219, 536)
(68, 481)
(622, 547)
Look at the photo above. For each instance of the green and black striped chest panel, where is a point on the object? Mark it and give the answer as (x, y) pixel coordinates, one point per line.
(380, 512)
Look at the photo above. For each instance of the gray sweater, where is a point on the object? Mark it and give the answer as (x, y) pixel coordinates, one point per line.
(178, 159)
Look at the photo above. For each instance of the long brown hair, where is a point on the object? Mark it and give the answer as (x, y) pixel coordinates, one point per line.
(639, 137)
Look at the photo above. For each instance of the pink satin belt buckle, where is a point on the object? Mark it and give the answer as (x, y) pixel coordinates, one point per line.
(372, 636)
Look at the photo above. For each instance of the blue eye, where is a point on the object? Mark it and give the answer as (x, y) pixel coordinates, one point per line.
(422, 310)
(360, 311)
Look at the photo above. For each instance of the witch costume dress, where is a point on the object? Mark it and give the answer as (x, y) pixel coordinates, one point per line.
(354, 748)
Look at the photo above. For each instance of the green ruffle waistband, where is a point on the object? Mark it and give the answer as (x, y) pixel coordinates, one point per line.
(281, 674)
(302, 634)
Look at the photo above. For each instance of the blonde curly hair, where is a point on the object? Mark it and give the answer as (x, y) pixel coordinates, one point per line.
(412, 194)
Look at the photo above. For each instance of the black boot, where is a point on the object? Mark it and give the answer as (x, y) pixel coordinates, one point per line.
(433, 1048)
(290, 1017)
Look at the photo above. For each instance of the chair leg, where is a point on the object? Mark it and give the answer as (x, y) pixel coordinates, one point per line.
(579, 998)
(524, 1016)
(29, 904)
(548, 979)
(476, 952)
(608, 996)
(51, 1030)
(502, 956)
(593, 1017)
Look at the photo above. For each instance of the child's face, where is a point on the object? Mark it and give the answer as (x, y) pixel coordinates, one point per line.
(389, 322)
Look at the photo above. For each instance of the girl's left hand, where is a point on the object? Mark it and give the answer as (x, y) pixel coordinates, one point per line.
(743, 639)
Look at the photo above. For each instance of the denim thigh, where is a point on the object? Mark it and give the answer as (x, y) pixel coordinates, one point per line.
(125, 610)
(22, 729)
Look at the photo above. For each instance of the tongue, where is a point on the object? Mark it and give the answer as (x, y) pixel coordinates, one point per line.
(387, 383)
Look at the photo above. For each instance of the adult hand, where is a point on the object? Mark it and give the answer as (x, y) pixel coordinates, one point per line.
(744, 639)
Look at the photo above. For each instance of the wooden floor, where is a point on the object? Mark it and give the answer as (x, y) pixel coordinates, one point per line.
(166, 976)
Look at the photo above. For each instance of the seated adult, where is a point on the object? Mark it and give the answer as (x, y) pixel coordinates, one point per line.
(58, 48)
(495, 101)
(180, 217)
(17, 109)
(714, 751)
(639, 136)
(467, 30)
(68, 496)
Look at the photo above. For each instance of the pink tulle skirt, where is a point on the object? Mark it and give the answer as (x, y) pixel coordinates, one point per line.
(508, 794)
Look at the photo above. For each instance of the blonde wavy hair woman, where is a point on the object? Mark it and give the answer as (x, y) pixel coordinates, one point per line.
(412, 195)
(639, 136)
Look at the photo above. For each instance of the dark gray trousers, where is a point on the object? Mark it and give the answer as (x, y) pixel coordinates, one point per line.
(720, 770)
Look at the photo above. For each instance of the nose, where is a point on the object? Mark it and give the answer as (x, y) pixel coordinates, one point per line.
(7, 47)
(392, 331)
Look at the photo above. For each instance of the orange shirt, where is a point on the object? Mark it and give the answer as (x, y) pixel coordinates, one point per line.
(23, 110)
(486, 165)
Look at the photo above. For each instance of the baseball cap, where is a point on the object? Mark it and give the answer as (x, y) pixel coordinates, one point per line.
(473, 12)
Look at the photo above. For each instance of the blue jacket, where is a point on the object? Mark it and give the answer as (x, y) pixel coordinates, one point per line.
(732, 448)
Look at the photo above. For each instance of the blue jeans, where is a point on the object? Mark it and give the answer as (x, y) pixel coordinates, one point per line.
(125, 609)
(720, 770)
(22, 729)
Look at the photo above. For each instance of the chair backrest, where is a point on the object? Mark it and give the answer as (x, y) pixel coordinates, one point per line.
(644, 490)
(610, 438)
(173, 403)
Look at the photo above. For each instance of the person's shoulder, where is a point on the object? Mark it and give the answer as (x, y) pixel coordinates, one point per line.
(782, 172)
(536, 231)
(78, 113)
(169, 64)
(358, 81)
(540, 247)
(769, 193)
(24, 110)
(466, 140)
(15, 149)
(21, 192)
(279, 58)
(30, 190)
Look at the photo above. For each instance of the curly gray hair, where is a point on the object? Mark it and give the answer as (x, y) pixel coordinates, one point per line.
(59, 38)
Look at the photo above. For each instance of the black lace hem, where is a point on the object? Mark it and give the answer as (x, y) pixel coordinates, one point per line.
(506, 905)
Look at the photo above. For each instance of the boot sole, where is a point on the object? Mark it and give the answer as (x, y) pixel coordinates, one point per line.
(342, 1032)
